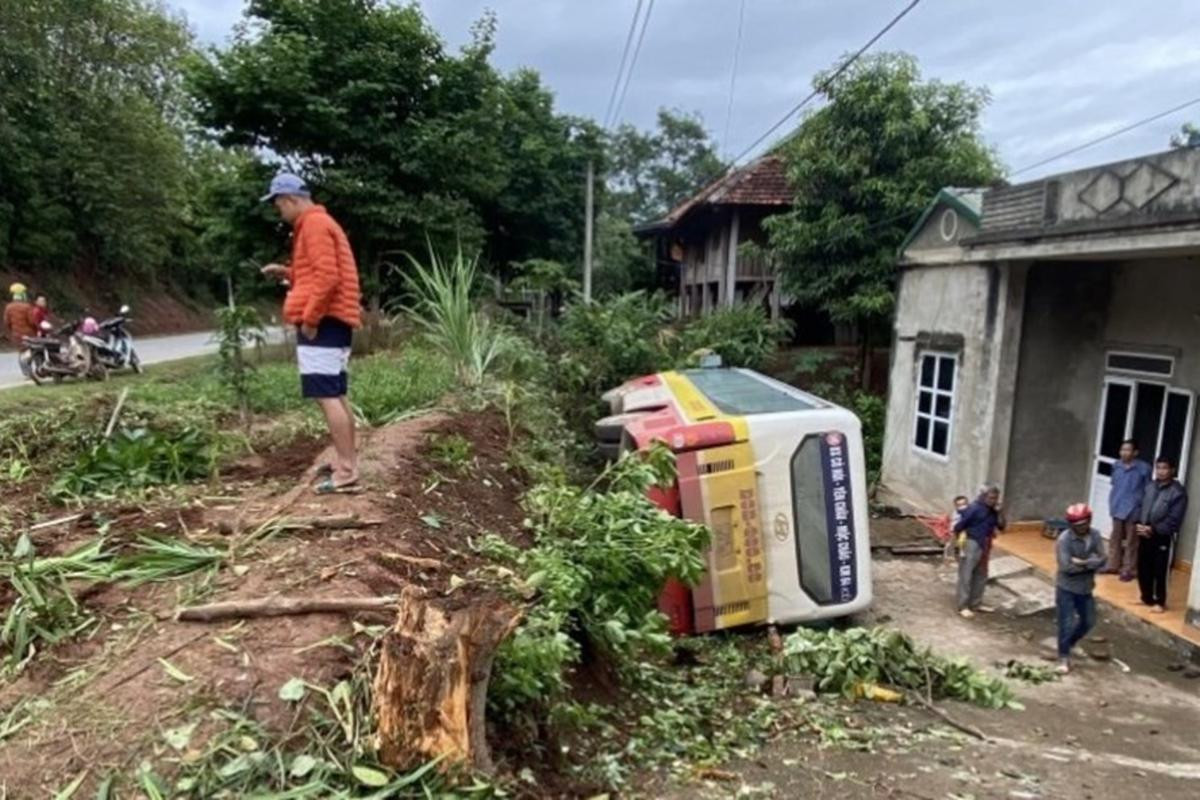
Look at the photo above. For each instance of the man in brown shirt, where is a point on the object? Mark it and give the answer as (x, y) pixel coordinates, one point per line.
(18, 315)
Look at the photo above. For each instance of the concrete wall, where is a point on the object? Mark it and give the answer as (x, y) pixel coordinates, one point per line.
(965, 309)
(1074, 314)
(1057, 387)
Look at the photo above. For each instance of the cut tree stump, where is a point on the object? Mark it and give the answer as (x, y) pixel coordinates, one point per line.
(431, 685)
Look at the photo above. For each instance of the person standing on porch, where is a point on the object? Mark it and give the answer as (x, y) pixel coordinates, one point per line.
(1129, 478)
(1080, 553)
(979, 521)
(1163, 506)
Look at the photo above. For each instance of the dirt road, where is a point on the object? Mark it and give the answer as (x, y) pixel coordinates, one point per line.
(1099, 733)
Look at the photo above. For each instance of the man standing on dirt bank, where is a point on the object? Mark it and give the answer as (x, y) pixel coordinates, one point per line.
(1129, 478)
(980, 521)
(324, 303)
(1163, 507)
(1080, 553)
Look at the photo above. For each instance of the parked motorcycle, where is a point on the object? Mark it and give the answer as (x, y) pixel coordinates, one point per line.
(111, 344)
(58, 354)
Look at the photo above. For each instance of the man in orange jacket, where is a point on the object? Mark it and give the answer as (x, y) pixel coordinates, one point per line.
(324, 303)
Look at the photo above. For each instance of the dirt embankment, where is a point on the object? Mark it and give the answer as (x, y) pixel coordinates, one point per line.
(157, 309)
(103, 700)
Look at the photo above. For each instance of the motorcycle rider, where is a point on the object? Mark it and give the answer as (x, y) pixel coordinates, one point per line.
(18, 315)
(40, 312)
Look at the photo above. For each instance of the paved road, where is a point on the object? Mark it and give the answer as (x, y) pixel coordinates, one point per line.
(152, 350)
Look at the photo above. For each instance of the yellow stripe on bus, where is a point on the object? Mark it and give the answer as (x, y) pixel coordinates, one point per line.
(697, 408)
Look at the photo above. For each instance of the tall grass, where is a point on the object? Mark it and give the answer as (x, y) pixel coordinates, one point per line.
(443, 306)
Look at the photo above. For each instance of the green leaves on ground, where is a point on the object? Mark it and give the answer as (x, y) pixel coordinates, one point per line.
(138, 459)
(845, 661)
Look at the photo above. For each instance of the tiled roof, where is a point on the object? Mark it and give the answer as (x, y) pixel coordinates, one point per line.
(760, 183)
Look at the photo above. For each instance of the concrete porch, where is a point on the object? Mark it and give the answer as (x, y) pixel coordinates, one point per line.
(1026, 541)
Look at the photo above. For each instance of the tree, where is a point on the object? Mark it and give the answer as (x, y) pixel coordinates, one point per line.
(404, 141)
(649, 174)
(863, 168)
(93, 170)
(653, 172)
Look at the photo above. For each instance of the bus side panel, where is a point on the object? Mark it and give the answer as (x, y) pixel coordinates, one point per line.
(719, 489)
(777, 441)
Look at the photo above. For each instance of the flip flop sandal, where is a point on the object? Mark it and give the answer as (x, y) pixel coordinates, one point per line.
(327, 486)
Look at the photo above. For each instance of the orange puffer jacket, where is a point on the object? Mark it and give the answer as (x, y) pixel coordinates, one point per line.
(323, 274)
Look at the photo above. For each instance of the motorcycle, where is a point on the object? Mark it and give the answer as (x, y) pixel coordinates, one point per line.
(111, 344)
(55, 355)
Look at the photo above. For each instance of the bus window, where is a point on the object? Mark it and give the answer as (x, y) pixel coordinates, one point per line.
(824, 519)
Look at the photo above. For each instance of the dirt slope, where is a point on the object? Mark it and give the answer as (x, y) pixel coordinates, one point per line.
(103, 703)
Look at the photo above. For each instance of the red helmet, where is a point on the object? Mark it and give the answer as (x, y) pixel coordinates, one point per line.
(1079, 512)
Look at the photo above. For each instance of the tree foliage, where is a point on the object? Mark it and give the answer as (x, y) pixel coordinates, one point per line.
(650, 172)
(863, 168)
(653, 171)
(403, 139)
(93, 169)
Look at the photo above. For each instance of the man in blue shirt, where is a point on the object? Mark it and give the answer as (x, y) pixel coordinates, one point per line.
(1129, 478)
(979, 521)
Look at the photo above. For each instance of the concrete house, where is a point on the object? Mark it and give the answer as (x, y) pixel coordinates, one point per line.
(1038, 325)
(698, 244)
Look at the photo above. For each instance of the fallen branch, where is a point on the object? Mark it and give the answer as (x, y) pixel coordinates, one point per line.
(951, 721)
(50, 523)
(282, 607)
(327, 523)
(416, 561)
(334, 522)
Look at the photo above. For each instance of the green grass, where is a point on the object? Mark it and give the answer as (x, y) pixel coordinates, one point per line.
(47, 432)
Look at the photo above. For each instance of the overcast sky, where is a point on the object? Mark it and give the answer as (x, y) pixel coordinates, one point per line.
(1061, 72)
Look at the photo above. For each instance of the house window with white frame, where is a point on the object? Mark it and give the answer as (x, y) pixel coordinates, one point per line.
(936, 379)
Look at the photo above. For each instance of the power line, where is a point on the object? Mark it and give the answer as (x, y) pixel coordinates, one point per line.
(817, 90)
(633, 63)
(737, 50)
(612, 99)
(1107, 136)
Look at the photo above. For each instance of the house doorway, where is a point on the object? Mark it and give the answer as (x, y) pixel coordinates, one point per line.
(1154, 414)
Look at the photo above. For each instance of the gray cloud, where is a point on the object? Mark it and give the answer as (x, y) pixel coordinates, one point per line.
(1060, 71)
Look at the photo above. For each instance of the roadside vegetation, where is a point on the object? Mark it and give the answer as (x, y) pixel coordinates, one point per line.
(588, 693)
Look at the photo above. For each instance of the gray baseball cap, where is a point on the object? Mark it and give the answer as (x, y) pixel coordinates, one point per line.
(286, 183)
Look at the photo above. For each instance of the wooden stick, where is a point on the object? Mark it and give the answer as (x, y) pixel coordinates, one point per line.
(416, 561)
(951, 721)
(282, 606)
(112, 421)
(332, 522)
(50, 523)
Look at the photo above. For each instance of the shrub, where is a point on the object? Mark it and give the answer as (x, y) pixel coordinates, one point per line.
(606, 343)
(598, 562)
(742, 335)
(137, 459)
(238, 327)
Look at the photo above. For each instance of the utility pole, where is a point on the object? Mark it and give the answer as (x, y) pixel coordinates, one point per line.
(587, 234)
